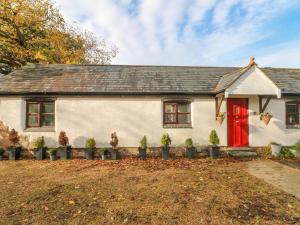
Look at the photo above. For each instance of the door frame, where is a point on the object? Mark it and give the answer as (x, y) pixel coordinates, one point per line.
(248, 136)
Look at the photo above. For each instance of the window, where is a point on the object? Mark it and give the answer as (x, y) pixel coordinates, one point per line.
(40, 114)
(177, 113)
(293, 113)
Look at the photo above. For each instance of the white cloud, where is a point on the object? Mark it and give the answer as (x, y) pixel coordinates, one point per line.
(178, 32)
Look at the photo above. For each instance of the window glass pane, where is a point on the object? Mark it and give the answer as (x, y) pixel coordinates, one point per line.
(183, 108)
(32, 120)
(291, 108)
(33, 107)
(184, 118)
(170, 108)
(48, 107)
(292, 119)
(47, 120)
(170, 118)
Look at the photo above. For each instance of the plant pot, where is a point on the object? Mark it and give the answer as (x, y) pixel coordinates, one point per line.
(142, 153)
(165, 152)
(214, 152)
(220, 119)
(103, 157)
(89, 154)
(14, 153)
(275, 150)
(266, 119)
(53, 157)
(295, 152)
(40, 153)
(114, 154)
(65, 152)
(190, 153)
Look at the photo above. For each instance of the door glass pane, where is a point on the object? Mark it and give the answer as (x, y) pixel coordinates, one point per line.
(170, 118)
(183, 108)
(47, 120)
(32, 120)
(33, 107)
(48, 107)
(184, 118)
(291, 108)
(170, 108)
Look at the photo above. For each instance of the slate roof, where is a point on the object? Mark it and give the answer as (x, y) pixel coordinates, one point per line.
(67, 79)
(123, 79)
(288, 80)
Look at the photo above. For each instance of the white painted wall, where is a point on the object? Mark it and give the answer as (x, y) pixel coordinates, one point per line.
(260, 134)
(133, 117)
(130, 117)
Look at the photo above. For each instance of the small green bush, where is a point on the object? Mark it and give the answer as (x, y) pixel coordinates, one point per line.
(189, 142)
(52, 151)
(90, 143)
(285, 153)
(2, 151)
(213, 138)
(143, 143)
(165, 139)
(296, 146)
(39, 142)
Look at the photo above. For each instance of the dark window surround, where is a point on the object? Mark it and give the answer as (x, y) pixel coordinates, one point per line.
(296, 124)
(40, 102)
(177, 124)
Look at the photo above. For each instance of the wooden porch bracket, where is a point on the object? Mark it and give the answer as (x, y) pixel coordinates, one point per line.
(262, 108)
(219, 100)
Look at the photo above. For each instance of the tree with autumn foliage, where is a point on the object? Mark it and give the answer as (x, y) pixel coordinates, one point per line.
(34, 31)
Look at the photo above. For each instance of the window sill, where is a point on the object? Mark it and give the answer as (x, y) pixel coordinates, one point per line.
(177, 126)
(39, 129)
(297, 126)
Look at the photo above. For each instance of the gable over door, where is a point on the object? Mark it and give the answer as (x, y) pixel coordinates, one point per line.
(253, 82)
(238, 130)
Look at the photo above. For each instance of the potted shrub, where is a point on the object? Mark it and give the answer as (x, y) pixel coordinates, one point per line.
(265, 117)
(1, 153)
(165, 149)
(104, 153)
(295, 149)
(143, 148)
(40, 149)
(220, 117)
(65, 149)
(190, 149)
(14, 151)
(90, 146)
(214, 150)
(53, 154)
(114, 143)
(275, 148)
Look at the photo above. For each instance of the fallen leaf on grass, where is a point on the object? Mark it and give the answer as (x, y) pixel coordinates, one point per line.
(71, 202)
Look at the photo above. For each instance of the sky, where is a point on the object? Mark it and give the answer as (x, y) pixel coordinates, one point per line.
(193, 32)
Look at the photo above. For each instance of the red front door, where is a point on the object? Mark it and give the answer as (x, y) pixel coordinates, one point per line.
(237, 117)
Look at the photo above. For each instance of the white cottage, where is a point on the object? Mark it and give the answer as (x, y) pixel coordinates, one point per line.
(95, 100)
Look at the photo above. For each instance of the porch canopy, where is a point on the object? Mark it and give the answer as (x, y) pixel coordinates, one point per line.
(248, 81)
